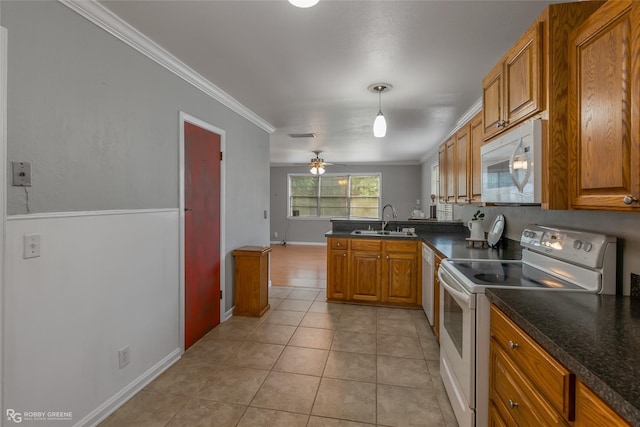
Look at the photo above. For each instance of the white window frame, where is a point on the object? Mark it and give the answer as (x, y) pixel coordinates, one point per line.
(444, 211)
(349, 175)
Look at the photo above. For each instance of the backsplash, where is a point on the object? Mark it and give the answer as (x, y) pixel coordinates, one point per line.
(624, 226)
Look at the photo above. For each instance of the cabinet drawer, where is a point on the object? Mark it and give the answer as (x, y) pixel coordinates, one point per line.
(548, 376)
(366, 244)
(514, 396)
(400, 246)
(339, 243)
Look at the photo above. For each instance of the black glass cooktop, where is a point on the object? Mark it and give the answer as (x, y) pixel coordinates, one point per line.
(508, 274)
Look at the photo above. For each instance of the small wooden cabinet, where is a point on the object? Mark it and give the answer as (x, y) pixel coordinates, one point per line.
(604, 101)
(386, 271)
(592, 411)
(512, 91)
(251, 280)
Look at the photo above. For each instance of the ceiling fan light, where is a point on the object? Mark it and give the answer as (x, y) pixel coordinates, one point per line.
(304, 3)
(313, 170)
(320, 170)
(379, 126)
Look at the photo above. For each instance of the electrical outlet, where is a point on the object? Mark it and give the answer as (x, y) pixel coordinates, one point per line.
(123, 357)
(275, 234)
(635, 285)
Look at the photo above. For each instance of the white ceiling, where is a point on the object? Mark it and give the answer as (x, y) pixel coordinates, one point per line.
(307, 70)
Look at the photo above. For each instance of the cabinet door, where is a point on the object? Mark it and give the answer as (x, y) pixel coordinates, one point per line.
(462, 164)
(366, 274)
(523, 77)
(492, 101)
(592, 411)
(401, 278)
(474, 162)
(442, 173)
(337, 274)
(604, 143)
(451, 170)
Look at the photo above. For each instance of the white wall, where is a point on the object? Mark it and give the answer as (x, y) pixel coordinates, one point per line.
(102, 282)
(100, 123)
(401, 186)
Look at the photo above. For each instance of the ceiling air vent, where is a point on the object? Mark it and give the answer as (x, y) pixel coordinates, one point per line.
(302, 135)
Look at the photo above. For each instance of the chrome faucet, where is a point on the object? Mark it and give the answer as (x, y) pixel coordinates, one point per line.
(393, 213)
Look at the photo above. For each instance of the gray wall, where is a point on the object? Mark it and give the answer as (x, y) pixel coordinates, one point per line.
(99, 123)
(401, 186)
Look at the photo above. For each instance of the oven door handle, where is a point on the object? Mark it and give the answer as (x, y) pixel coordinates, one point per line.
(449, 284)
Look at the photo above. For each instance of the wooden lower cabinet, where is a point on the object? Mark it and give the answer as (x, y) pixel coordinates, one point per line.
(374, 271)
(529, 387)
(592, 411)
(365, 270)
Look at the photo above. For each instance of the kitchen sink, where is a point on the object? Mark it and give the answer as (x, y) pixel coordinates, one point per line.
(383, 233)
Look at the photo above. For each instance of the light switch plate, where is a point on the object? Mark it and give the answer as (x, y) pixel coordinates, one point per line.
(21, 172)
(31, 246)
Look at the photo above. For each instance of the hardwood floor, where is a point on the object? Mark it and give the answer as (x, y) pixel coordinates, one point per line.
(299, 265)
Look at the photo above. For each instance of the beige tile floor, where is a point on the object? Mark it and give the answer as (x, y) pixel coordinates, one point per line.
(304, 363)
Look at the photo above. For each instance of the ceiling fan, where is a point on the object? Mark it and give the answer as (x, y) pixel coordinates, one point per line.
(317, 164)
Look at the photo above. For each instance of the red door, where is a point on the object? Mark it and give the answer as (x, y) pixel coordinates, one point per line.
(202, 232)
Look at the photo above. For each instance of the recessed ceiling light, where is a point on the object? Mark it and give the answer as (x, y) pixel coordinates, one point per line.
(303, 3)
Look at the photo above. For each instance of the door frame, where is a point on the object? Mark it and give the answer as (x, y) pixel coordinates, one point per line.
(3, 199)
(186, 118)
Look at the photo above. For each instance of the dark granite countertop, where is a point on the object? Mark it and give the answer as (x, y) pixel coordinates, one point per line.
(446, 237)
(597, 337)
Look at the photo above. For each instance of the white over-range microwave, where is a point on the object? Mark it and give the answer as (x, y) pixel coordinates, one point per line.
(511, 168)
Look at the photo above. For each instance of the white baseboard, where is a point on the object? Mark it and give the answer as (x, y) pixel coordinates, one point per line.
(279, 242)
(119, 399)
(227, 314)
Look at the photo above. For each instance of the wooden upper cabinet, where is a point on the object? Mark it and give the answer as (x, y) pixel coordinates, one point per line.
(604, 121)
(522, 77)
(451, 170)
(474, 160)
(462, 164)
(493, 101)
(512, 91)
(442, 173)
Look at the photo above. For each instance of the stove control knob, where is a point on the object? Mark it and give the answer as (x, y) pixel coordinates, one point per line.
(587, 247)
(577, 244)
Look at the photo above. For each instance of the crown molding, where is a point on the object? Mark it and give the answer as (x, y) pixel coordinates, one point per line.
(114, 25)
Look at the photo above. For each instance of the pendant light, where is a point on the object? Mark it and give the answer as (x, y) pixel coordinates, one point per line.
(304, 3)
(380, 124)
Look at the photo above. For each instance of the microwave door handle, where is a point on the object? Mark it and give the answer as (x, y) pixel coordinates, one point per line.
(512, 170)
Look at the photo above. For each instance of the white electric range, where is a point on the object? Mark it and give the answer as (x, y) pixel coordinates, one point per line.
(553, 259)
